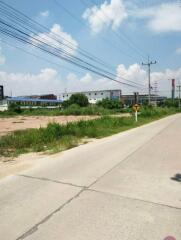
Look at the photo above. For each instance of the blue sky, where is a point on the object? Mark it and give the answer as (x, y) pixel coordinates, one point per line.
(144, 28)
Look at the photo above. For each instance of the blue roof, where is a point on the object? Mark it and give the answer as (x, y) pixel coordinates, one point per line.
(18, 99)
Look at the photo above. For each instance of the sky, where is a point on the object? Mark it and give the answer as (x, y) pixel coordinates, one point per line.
(122, 33)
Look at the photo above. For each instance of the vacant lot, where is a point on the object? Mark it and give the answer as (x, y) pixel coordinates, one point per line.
(11, 124)
(18, 123)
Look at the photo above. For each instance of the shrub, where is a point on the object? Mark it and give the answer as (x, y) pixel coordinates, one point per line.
(13, 107)
(66, 104)
(79, 99)
(109, 103)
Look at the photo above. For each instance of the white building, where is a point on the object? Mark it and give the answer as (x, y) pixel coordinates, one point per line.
(3, 105)
(94, 96)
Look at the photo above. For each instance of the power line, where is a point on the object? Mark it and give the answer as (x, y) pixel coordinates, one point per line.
(20, 33)
(123, 36)
(42, 58)
(42, 29)
(106, 40)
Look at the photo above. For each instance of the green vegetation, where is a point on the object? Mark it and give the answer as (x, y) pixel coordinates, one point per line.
(73, 109)
(79, 99)
(77, 105)
(110, 104)
(57, 137)
(170, 103)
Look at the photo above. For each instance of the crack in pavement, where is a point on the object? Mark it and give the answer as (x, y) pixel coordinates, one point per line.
(84, 188)
(36, 226)
(134, 199)
(50, 180)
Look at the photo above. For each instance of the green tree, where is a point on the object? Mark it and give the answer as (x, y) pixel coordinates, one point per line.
(109, 103)
(79, 99)
(13, 107)
(66, 103)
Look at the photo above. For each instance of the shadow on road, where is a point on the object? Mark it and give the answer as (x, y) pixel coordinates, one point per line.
(177, 177)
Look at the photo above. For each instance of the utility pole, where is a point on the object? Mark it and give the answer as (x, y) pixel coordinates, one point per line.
(179, 91)
(149, 63)
(156, 91)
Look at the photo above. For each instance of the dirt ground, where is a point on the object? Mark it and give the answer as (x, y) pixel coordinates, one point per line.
(18, 123)
(9, 166)
(24, 122)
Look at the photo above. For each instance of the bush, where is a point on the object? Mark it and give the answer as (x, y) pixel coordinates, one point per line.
(66, 104)
(79, 99)
(169, 103)
(73, 109)
(156, 111)
(109, 104)
(13, 107)
(66, 136)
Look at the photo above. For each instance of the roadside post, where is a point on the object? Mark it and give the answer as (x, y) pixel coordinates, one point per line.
(136, 108)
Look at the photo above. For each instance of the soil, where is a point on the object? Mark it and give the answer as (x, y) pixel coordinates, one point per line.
(8, 125)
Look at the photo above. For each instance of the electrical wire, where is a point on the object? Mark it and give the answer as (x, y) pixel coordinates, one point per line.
(21, 33)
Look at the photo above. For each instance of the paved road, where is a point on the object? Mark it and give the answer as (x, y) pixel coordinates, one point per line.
(121, 187)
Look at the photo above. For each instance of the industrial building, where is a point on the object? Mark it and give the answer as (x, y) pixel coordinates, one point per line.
(95, 96)
(34, 102)
(142, 99)
(46, 96)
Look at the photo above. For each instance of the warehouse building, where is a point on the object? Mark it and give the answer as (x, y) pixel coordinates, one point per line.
(95, 96)
(142, 99)
(34, 102)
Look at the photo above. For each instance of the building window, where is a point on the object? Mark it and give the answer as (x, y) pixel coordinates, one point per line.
(95, 93)
(89, 93)
(101, 93)
(63, 96)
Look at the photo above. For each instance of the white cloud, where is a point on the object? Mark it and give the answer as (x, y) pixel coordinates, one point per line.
(25, 83)
(47, 81)
(165, 17)
(65, 40)
(2, 57)
(45, 13)
(134, 73)
(137, 74)
(87, 78)
(105, 15)
(88, 82)
(178, 51)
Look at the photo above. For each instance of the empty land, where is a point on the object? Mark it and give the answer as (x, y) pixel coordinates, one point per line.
(20, 123)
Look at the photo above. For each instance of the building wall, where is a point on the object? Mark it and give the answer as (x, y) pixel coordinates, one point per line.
(1, 92)
(3, 105)
(94, 96)
(142, 99)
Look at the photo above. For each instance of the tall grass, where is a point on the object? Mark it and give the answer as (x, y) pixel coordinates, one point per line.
(73, 109)
(60, 137)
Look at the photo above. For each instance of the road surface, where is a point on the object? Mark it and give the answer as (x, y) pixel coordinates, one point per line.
(124, 187)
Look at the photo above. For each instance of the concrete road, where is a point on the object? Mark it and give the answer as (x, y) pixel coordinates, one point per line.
(122, 187)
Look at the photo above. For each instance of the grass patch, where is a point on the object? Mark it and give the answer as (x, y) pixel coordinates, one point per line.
(56, 137)
(73, 109)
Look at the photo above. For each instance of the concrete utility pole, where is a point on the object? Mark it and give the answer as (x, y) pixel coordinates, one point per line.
(179, 91)
(149, 78)
(156, 91)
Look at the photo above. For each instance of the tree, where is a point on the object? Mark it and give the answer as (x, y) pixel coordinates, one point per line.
(109, 103)
(80, 99)
(13, 107)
